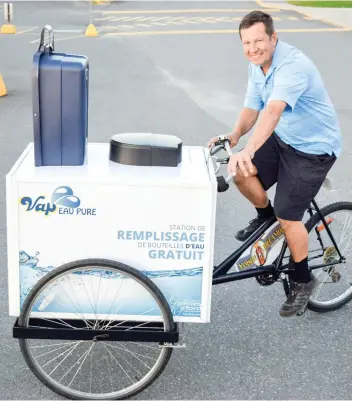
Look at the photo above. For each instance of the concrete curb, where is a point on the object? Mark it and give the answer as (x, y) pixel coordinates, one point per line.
(338, 17)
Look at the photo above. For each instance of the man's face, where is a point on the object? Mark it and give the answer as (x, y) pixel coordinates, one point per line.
(257, 45)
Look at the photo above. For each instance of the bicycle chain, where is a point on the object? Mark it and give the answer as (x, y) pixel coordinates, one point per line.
(266, 280)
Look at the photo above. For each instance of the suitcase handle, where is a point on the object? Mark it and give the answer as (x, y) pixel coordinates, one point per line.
(50, 45)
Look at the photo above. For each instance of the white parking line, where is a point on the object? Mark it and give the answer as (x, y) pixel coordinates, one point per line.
(146, 19)
(161, 18)
(103, 19)
(27, 30)
(118, 19)
(125, 18)
(60, 39)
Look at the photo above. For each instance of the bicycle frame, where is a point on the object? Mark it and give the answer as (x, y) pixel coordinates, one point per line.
(220, 272)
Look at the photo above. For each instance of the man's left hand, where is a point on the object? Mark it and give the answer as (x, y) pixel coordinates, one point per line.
(241, 161)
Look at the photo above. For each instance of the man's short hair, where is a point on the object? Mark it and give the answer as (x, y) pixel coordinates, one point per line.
(255, 17)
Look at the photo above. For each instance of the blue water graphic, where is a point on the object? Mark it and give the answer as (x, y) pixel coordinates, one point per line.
(32, 261)
(182, 288)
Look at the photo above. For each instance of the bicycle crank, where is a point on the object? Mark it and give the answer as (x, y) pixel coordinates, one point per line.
(266, 279)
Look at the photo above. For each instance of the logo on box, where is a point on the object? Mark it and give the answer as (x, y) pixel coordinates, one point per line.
(62, 201)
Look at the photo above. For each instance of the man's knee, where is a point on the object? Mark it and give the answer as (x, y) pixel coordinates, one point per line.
(288, 224)
(240, 177)
(285, 223)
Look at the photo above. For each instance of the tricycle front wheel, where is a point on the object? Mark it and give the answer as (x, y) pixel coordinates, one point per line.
(85, 297)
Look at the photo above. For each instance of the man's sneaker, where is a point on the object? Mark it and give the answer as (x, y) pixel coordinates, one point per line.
(298, 298)
(254, 224)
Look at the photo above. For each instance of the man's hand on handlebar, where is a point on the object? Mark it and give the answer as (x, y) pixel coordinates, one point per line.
(240, 161)
(233, 141)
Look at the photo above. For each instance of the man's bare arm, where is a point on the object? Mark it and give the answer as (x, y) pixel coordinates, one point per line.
(266, 125)
(247, 119)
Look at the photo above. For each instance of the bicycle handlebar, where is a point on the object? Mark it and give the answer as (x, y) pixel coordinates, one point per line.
(222, 182)
(215, 149)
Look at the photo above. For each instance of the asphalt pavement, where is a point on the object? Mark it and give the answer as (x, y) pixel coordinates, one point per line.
(177, 68)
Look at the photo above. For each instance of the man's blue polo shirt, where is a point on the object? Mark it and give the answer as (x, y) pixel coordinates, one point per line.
(309, 122)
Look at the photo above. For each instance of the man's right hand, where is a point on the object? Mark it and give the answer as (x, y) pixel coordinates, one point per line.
(233, 140)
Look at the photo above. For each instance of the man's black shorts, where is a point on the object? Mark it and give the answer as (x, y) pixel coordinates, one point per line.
(298, 175)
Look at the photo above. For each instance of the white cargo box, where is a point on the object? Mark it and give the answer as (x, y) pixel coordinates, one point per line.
(160, 220)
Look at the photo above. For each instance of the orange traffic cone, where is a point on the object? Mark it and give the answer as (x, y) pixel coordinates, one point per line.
(91, 30)
(8, 28)
(3, 91)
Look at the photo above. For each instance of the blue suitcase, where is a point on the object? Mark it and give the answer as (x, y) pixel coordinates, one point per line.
(60, 84)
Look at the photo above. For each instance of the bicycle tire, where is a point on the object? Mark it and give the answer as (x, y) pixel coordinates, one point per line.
(137, 275)
(310, 224)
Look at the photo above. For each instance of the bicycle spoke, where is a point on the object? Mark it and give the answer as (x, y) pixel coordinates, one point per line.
(322, 271)
(132, 353)
(110, 375)
(50, 345)
(75, 364)
(135, 355)
(125, 321)
(57, 322)
(93, 293)
(87, 352)
(68, 352)
(53, 350)
(87, 322)
(129, 362)
(78, 309)
(136, 327)
(107, 325)
(317, 292)
(344, 249)
(346, 237)
(89, 298)
(119, 364)
(90, 380)
(343, 230)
